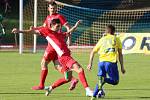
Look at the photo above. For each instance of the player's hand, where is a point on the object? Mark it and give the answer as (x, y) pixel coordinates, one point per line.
(89, 67)
(15, 30)
(78, 22)
(123, 70)
(31, 27)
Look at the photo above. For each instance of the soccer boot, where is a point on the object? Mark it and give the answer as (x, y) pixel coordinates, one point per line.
(73, 84)
(48, 90)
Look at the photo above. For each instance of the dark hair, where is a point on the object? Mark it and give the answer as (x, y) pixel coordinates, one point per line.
(53, 4)
(55, 21)
(112, 28)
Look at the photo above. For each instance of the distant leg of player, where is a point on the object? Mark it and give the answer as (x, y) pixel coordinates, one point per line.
(108, 47)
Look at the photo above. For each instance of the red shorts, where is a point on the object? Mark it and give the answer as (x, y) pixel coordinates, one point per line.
(50, 55)
(67, 62)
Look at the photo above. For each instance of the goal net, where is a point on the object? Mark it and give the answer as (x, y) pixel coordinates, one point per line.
(94, 22)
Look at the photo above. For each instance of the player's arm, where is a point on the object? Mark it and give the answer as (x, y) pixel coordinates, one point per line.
(29, 31)
(121, 60)
(119, 45)
(67, 26)
(74, 27)
(95, 50)
(89, 67)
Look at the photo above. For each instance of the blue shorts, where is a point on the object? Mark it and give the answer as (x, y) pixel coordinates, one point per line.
(108, 68)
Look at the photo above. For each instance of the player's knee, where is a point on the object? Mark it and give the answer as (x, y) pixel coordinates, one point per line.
(58, 67)
(77, 68)
(44, 64)
(116, 82)
(81, 69)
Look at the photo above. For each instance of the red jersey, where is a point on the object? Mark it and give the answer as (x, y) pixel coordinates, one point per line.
(49, 18)
(56, 40)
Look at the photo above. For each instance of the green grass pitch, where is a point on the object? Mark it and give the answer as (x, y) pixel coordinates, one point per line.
(18, 73)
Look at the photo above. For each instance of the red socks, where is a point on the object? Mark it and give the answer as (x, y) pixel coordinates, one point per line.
(83, 79)
(59, 82)
(43, 76)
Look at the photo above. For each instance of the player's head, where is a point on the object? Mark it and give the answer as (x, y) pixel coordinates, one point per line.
(55, 25)
(52, 8)
(110, 29)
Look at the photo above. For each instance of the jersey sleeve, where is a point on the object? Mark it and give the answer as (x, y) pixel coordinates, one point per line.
(41, 31)
(62, 19)
(97, 47)
(119, 44)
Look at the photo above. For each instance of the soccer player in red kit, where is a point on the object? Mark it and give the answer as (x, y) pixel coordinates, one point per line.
(56, 39)
(50, 54)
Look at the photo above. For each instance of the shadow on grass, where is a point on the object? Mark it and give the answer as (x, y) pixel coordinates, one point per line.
(128, 97)
(19, 93)
(76, 95)
(28, 93)
(129, 89)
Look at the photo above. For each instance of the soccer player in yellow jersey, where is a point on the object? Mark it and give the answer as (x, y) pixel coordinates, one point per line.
(109, 49)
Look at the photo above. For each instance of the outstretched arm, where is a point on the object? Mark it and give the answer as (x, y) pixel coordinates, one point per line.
(74, 27)
(67, 26)
(29, 31)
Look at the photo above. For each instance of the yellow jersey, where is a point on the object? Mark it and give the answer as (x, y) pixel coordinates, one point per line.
(107, 48)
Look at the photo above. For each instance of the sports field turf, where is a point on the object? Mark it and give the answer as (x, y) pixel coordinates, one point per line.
(18, 73)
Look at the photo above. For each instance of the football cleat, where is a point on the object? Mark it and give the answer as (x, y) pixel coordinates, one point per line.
(48, 90)
(73, 84)
(38, 88)
(101, 94)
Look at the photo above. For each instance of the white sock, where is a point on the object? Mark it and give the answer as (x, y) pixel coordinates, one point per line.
(50, 87)
(87, 89)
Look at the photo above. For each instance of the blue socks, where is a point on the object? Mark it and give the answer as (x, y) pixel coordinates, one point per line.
(96, 90)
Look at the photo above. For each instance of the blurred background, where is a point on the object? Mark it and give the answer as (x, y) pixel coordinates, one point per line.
(128, 16)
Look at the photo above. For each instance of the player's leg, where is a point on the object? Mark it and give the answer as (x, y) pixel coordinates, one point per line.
(43, 75)
(77, 68)
(113, 74)
(69, 63)
(73, 80)
(44, 69)
(73, 84)
(67, 77)
(101, 76)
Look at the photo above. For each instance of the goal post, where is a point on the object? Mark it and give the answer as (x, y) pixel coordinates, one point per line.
(20, 26)
(35, 25)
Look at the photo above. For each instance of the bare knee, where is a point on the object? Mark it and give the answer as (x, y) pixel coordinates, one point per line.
(44, 64)
(58, 67)
(77, 68)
